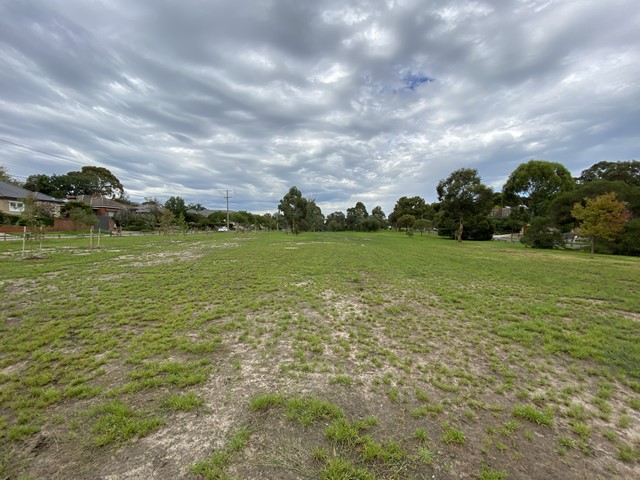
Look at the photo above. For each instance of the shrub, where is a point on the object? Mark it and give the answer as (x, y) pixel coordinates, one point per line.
(542, 234)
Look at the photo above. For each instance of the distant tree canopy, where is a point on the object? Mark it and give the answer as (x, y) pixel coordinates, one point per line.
(628, 172)
(293, 207)
(4, 175)
(336, 222)
(379, 215)
(465, 205)
(406, 221)
(542, 234)
(535, 184)
(415, 206)
(540, 193)
(356, 215)
(601, 217)
(88, 181)
(176, 206)
(422, 225)
(80, 213)
(626, 242)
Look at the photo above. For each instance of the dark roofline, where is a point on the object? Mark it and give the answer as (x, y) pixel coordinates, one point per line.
(7, 190)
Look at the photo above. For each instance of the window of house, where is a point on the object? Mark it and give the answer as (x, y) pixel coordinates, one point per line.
(16, 206)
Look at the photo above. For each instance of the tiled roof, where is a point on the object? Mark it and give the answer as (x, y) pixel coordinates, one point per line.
(99, 201)
(8, 190)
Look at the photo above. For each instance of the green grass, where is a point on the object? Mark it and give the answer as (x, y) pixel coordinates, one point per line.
(215, 466)
(101, 346)
(265, 401)
(115, 423)
(184, 402)
(425, 455)
(533, 414)
(342, 469)
(343, 432)
(452, 435)
(309, 410)
(488, 473)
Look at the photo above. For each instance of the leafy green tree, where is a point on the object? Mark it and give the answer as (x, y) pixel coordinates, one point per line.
(406, 221)
(378, 214)
(336, 222)
(41, 183)
(5, 177)
(106, 183)
(267, 220)
(217, 219)
(601, 217)
(542, 234)
(518, 218)
(241, 219)
(628, 243)
(314, 219)
(67, 207)
(294, 209)
(561, 206)
(36, 213)
(415, 206)
(176, 205)
(628, 172)
(370, 224)
(88, 181)
(465, 205)
(422, 225)
(182, 223)
(81, 217)
(536, 183)
(355, 216)
(167, 221)
(124, 217)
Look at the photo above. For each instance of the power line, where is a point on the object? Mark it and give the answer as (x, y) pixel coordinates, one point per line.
(14, 144)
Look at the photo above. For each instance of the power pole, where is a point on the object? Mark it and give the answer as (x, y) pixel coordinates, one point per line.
(227, 197)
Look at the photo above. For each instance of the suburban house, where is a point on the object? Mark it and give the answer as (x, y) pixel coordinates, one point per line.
(12, 199)
(105, 208)
(501, 212)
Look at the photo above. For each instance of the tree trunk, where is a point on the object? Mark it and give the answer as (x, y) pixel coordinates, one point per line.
(593, 244)
(459, 233)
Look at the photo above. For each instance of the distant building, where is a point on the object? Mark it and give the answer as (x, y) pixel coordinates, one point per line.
(12, 199)
(105, 208)
(501, 212)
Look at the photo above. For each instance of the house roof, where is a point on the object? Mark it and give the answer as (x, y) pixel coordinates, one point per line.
(206, 212)
(99, 201)
(148, 207)
(7, 190)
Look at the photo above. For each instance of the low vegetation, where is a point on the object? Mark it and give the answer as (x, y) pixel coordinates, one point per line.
(333, 355)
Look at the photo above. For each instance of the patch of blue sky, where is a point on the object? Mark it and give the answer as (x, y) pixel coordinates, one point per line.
(414, 80)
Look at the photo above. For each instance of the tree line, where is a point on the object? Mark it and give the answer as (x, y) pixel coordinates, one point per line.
(539, 197)
(150, 215)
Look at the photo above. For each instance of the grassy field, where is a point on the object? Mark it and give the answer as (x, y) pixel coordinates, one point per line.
(322, 356)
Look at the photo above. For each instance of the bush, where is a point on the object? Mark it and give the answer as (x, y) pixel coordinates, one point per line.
(628, 242)
(6, 219)
(542, 234)
(370, 224)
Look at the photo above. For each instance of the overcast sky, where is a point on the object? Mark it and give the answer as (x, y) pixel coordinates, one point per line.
(348, 100)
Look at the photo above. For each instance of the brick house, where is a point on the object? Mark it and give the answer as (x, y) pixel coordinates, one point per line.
(12, 199)
(105, 208)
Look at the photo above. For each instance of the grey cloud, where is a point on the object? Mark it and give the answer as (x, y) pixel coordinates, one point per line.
(195, 97)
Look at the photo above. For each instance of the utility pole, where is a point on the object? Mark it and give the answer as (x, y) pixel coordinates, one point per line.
(227, 197)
